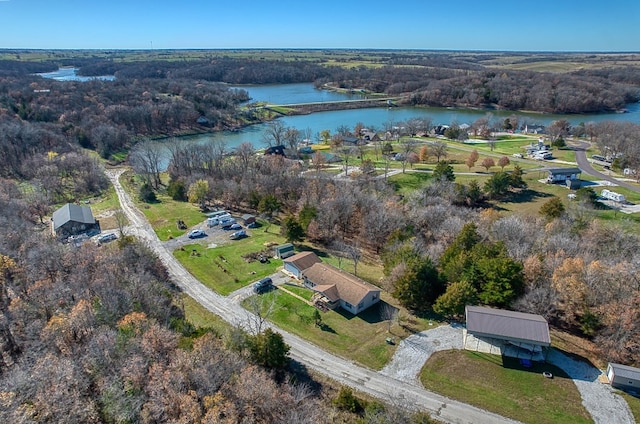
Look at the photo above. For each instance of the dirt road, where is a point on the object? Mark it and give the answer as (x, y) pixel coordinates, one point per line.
(346, 372)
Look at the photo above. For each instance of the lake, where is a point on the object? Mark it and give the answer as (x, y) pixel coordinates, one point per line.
(371, 118)
(378, 117)
(69, 74)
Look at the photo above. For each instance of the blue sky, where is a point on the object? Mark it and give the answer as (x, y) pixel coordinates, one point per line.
(517, 25)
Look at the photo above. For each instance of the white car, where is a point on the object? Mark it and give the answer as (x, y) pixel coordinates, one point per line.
(196, 234)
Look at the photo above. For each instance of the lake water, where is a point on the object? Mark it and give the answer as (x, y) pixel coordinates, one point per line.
(69, 74)
(378, 117)
(372, 118)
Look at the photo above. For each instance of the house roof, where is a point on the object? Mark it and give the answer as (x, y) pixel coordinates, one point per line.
(508, 324)
(330, 291)
(350, 288)
(303, 260)
(625, 371)
(71, 212)
(555, 171)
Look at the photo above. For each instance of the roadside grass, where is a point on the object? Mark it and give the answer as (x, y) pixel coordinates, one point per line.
(164, 214)
(634, 404)
(223, 269)
(303, 292)
(199, 316)
(360, 338)
(503, 386)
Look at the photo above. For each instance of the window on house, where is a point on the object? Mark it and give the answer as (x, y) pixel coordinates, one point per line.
(348, 305)
(360, 305)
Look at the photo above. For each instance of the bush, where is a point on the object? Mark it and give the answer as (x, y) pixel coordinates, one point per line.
(147, 194)
(348, 402)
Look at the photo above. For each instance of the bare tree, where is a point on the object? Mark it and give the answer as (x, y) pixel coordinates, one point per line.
(146, 158)
(438, 149)
(274, 134)
(260, 308)
(388, 313)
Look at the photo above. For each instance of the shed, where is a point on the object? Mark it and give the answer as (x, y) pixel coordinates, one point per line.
(297, 263)
(284, 251)
(624, 377)
(248, 219)
(72, 220)
(507, 333)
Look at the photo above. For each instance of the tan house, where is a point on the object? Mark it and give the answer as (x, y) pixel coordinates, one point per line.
(338, 288)
(299, 262)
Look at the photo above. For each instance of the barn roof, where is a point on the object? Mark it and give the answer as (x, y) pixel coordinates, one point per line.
(499, 323)
(71, 212)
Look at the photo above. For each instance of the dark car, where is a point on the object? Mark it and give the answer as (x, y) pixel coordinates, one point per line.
(263, 285)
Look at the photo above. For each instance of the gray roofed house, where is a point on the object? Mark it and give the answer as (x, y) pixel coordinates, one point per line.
(568, 176)
(506, 333)
(73, 219)
(624, 377)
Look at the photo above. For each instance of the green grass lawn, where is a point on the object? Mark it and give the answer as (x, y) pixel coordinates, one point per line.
(409, 181)
(223, 268)
(360, 338)
(509, 390)
(164, 214)
(634, 404)
(303, 292)
(200, 317)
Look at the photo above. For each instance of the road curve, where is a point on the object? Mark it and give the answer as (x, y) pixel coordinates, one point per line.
(580, 147)
(346, 372)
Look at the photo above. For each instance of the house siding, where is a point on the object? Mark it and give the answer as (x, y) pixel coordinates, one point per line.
(622, 382)
(289, 267)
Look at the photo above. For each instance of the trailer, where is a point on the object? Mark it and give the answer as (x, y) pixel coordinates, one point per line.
(612, 195)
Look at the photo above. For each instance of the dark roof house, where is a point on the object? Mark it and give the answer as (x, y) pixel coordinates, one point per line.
(275, 150)
(73, 219)
(284, 251)
(505, 332)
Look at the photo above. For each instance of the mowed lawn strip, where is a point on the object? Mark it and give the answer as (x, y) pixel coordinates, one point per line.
(164, 214)
(512, 391)
(360, 338)
(634, 404)
(223, 268)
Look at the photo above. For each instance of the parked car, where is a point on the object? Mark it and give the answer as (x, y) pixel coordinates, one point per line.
(235, 227)
(518, 155)
(196, 234)
(106, 238)
(238, 235)
(263, 285)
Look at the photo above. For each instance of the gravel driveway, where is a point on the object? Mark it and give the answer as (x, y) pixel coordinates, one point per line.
(414, 351)
(599, 399)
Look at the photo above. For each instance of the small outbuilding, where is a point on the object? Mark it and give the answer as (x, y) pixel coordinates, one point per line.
(71, 220)
(624, 377)
(284, 251)
(248, 219)
(508, 333)
(299, 262)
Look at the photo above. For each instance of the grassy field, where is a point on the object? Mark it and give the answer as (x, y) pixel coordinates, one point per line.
(223, 268)
(360, 338)
(506, 389)
(634, 404)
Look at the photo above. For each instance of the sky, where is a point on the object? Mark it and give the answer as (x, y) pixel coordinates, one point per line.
(498, 25)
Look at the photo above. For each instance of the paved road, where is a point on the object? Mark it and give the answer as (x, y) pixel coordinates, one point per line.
(339, 369)
(580, 147)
